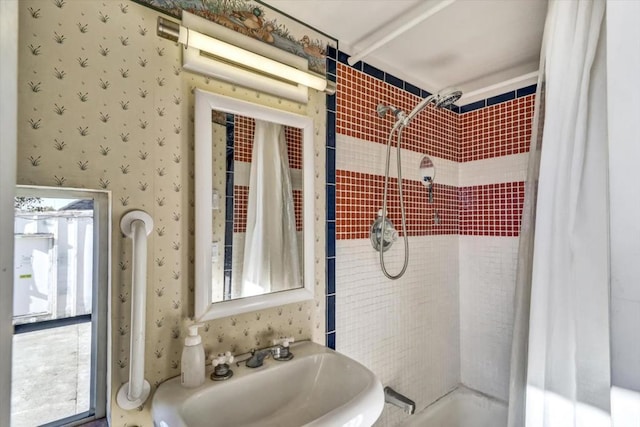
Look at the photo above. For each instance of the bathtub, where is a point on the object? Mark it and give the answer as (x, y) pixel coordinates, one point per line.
(461, 408)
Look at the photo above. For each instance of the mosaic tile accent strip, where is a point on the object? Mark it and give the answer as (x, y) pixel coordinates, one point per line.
(359, 198)
(240, 202)
(498, 130)
(491, 210)
(503, 97)
(330, 266)
(244, 128)
(358, 94)
(497, 127)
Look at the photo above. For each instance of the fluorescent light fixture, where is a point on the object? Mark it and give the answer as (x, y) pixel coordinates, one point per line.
(234, 54)
(212, 56)
(193, 60)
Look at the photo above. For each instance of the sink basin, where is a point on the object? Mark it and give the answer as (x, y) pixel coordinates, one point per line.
(318, 387)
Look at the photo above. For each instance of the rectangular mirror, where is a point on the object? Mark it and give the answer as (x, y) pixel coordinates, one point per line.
(254, 206)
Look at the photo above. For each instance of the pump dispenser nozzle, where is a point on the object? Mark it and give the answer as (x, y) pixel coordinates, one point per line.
(193, 338)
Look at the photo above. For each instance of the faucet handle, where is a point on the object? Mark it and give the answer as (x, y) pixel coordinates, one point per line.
(222, 358)
(220, 365)
(283, 341)
(281, 351)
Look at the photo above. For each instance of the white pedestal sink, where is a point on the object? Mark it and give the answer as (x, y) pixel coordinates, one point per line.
(318, 387)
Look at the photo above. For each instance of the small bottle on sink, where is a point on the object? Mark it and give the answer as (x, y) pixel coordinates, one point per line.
(192, 363)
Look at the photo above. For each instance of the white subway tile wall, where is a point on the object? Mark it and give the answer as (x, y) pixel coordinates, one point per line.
(405, 330)
(487, 283)
(511, 168)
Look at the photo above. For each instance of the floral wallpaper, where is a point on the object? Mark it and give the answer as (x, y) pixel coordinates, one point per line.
(104, 103)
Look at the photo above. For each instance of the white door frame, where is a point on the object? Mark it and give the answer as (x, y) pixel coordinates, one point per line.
(8, 146)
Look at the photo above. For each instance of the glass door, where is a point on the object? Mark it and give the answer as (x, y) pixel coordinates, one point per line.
(59, 306)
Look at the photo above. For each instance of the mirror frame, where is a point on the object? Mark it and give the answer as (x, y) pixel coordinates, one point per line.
(205, 309)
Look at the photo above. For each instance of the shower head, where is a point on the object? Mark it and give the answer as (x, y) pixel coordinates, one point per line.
(444, 98)
(447, 98)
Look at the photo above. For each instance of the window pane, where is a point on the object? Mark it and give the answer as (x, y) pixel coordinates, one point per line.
(51, 374)
(53, 259)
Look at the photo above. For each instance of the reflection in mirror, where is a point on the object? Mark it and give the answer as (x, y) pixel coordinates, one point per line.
(254, 206)
(261, 166)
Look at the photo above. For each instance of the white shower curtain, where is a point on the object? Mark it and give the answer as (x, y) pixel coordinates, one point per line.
(271, 249)
(522, 295)
(568, 365)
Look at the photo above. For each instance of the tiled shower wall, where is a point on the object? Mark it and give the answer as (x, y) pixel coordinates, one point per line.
(405, 330)
(493, 163)
(448, 319)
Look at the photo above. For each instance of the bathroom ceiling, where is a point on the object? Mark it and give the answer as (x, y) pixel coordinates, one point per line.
(470, 44)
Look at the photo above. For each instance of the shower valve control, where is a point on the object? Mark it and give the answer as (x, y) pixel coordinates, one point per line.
(390, 235)
(383, 239)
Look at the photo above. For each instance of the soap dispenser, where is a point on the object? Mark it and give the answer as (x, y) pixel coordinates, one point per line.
(192, 363)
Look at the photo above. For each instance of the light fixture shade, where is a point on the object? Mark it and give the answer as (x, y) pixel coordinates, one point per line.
(193, 61)
(227, 55)
(234, 54)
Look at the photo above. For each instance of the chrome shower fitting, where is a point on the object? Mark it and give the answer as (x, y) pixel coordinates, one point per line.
(380, 237)
(382, 111)
(442, 99)
(429, 184)
(401, 401)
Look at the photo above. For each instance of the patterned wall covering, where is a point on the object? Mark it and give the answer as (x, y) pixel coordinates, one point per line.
(104, 103)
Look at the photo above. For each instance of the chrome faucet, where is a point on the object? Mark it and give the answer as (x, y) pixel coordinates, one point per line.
(279, 350)
(257, 358)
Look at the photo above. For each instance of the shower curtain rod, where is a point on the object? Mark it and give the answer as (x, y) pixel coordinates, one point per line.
(403, 23)
(505, 83)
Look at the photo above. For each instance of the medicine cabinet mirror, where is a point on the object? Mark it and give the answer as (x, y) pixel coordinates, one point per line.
(254, 206)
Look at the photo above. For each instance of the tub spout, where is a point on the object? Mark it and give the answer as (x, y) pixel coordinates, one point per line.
(396, 399)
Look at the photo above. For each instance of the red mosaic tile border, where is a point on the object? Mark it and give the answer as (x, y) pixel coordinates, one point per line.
(241, 200)
(243, 141)
(358, 94)
(359, 198)
(294, 146)
(497, 130)
(491, 210)
(484, 210)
